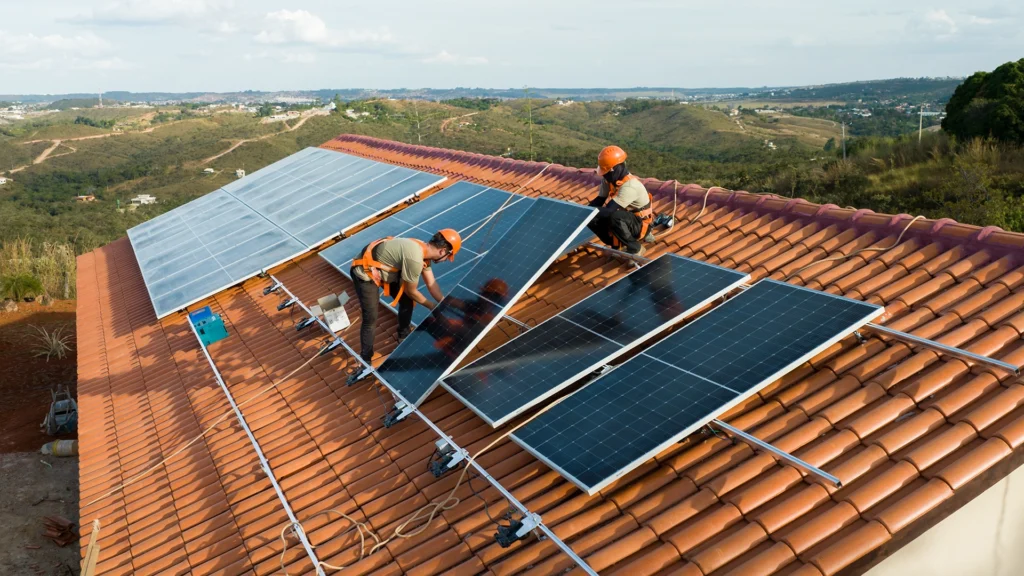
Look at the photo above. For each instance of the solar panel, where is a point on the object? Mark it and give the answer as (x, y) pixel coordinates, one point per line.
(618, 421)
(462, 206)
(200, 248)
(479, 300)
(607, 324)
(258, 222)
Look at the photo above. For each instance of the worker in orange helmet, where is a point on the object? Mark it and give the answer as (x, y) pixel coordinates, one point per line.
(626, 219)
(396, 265)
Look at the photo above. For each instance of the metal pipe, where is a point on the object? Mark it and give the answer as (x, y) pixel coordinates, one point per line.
(480, 469)
(296, 526)
(945, 349)
(757, 443)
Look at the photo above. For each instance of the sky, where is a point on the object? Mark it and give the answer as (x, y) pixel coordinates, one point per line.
(65, 46)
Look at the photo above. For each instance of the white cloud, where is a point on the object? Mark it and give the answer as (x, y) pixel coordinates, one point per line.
(939, 24)
(152, 12)
(227, 28)
(445, 57)
(303, 27)
(53, 51)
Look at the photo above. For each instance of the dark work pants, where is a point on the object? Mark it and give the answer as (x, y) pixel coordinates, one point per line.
(622, 224)
(369, 299)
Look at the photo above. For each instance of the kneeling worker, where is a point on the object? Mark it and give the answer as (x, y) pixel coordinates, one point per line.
(396, 264)
(627, 218)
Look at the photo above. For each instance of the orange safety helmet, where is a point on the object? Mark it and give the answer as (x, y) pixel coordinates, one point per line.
(496, 286)
(609, 158)
(453, 239)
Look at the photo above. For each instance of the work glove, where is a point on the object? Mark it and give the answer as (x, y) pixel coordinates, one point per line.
(597, 202)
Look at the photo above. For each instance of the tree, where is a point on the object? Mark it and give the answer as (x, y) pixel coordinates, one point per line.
(267, 109)
(989, 104)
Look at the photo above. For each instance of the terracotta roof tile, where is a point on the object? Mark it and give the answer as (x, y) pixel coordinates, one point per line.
(903, 427)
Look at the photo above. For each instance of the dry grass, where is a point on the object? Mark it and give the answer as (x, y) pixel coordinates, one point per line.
(51, 262)
(46, 343)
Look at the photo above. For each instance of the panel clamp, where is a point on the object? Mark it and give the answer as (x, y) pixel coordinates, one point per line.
(450, 457)
(272, 288)
(516, 531)
(286, 304)
(305, 324)
(400, 412)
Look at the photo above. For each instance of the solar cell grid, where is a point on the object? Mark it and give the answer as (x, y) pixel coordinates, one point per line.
(258, 222)
(562, 350)
(670, 390)
(482, 296)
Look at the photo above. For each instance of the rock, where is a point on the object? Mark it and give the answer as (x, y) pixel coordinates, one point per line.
(45, 300)
(9, 306)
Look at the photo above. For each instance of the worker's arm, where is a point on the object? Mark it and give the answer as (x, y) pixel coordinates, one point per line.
(432, 287)
(411, 290)
(602, 196)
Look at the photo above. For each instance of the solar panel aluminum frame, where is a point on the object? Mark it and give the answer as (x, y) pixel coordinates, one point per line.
(514, 297)
(603, 361)
(635, 463)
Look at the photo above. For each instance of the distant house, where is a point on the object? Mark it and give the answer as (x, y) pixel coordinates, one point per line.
(86, 198)
(208, 171)
(239, 173)
(143, 199)
(3, 180)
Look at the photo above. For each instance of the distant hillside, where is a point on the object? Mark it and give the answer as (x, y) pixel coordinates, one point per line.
(915, 89)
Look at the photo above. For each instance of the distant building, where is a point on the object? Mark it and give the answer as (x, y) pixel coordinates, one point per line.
(86, 198)
(208, 171)
(143, 199)
(3, 180)
(239, 173)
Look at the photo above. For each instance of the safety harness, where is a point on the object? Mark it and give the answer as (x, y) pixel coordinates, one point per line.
(645, 213)
(373, 268)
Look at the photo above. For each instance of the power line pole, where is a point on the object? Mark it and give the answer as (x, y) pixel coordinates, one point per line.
(844, 140)
(529, 110)
(920, 124)
(419, 135)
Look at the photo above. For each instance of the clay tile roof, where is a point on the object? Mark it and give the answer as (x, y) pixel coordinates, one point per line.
(912, 435)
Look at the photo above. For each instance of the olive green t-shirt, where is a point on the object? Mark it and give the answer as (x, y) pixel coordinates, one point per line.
(402, 253)
(632, 194)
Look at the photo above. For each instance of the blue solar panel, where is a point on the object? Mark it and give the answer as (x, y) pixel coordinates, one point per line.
(260, 221)
(562, 350)
(620, 420)
(483, 294)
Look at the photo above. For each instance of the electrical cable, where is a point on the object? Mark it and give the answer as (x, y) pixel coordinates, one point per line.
(856, 252)
(216, 423)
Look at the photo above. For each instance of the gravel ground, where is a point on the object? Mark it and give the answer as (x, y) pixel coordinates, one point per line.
(30, 490)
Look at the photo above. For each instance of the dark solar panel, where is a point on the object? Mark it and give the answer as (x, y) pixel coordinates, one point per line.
(571, 345)
(482, 296)
(670, 390)
(462, 206)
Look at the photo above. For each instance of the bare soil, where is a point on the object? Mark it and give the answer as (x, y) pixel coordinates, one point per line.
(26, 379)
(33, 486)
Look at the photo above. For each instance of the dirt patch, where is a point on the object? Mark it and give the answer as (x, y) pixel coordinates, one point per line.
(30, 491)
(25, 379)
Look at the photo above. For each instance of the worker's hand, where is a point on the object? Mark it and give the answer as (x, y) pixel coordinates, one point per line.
(597, 202)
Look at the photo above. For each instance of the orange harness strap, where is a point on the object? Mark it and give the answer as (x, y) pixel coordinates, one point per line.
(645, 214)
(373, 268)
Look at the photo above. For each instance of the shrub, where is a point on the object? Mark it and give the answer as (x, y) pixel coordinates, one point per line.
(21, 286)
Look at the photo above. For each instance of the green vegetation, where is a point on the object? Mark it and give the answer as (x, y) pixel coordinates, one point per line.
(70, 103)
(95, 123)
(21, 286)
(795, 154)
(473, 103)
(989, 104)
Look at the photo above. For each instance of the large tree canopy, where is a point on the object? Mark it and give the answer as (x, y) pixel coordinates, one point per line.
(989, 104)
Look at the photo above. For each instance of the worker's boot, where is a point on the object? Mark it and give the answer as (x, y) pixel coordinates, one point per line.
(650, 238)
(639, 252)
